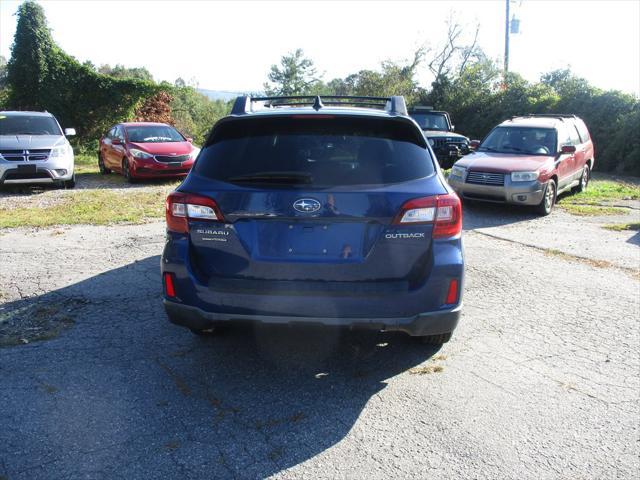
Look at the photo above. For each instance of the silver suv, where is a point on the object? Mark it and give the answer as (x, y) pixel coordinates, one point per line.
(34, 149)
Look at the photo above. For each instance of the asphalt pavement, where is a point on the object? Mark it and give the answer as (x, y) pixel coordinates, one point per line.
(541, 380)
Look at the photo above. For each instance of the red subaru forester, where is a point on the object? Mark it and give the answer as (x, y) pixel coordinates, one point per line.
(146, 150)
(527, 160)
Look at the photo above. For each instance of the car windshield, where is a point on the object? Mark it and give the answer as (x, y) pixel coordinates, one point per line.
(431, 121)
(521, 140)
(316, 152)
(28, 125)
(154, 134)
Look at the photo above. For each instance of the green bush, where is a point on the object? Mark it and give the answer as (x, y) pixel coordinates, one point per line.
(194, 114)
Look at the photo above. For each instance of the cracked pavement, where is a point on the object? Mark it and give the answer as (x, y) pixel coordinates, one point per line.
(541, 379)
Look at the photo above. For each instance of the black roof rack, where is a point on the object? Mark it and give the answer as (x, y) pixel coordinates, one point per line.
(246, 104)
(560, 116)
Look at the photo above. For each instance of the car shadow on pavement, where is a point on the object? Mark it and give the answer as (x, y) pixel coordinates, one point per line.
(125, 394)
(483, 215)
(96, 180)
(635, 239)
(88, 181)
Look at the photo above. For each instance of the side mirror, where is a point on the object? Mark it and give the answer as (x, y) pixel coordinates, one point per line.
(453, 128)
(473, 144)
(189, 139)
(568, 149)
(69, 132)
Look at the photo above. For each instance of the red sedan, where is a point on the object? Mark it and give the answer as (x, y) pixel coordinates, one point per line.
(146, 150)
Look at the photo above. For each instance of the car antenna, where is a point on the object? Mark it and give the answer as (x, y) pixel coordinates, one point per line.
(317, 103)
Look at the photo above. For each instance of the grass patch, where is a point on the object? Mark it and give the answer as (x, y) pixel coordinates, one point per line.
(552, 252)
(591, 210)
(600, 191)
(96, 207)
(86, 164)
(622, 227)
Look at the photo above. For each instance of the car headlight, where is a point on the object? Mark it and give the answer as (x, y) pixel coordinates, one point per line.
(457, 172)
(61, 151)
(140, 154)
(524, 176)
(431, 142)
(195, 152)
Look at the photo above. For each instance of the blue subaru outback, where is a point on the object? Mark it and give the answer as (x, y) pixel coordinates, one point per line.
(308, 210)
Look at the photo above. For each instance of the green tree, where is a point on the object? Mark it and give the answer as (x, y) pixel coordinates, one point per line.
(194, 113)
(29, 65)
(3, 71)
(4, 89)
(120, 71)
(296, 75)
(392, 79)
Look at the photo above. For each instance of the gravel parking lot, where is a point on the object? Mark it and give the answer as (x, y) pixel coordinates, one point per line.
(541, 380)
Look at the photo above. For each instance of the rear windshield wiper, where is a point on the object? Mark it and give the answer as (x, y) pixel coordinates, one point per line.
(273, 177)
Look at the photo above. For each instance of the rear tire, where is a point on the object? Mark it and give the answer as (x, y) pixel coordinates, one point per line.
(436, 339)
(548, 199)
(584, 179)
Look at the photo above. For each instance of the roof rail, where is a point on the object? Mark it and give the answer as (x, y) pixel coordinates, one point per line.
(560, 116)
(247, 104)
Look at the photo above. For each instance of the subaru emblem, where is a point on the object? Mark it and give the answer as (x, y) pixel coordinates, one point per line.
(307, 205)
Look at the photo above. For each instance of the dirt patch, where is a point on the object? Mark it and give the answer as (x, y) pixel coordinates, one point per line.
(426, 370)
(31, 322)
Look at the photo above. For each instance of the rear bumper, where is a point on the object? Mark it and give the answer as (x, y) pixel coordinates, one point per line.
(429, 323)
(519, 193)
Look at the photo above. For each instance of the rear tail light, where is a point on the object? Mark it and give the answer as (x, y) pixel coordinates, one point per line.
(180, 207)
(169, 287)
(443, 211)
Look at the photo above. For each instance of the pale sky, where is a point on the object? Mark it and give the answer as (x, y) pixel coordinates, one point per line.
(231, 45)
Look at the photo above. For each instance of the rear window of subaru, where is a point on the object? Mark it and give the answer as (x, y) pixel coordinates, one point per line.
(322, 152)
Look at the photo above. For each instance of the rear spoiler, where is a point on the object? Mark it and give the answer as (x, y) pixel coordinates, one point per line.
(395, 105)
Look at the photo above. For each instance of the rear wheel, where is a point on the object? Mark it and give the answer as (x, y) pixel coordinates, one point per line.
(548, 199)
(126, 172)
(584, 179)
(103, 170)
(436, 339)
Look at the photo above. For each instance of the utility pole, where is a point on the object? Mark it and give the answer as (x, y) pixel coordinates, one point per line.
(506, 38)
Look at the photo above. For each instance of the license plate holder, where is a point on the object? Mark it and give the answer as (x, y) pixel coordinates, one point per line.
(27, 169)
(175, 164)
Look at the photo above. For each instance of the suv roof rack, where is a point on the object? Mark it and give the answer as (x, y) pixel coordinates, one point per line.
(247, 104)
(560, 116)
